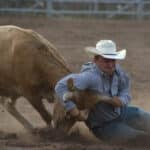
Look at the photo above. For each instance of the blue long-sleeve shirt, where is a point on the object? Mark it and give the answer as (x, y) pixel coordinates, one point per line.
(91, 77)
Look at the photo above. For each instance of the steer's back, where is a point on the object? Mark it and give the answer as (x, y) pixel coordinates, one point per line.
(28, 62)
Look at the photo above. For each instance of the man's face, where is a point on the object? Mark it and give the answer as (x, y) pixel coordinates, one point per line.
(106, 65)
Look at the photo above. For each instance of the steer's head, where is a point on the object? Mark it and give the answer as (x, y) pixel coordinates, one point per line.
(84, 99)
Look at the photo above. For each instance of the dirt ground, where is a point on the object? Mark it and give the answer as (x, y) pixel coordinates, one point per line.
(70, 36)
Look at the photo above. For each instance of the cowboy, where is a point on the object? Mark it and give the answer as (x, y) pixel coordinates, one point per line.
(113, 120)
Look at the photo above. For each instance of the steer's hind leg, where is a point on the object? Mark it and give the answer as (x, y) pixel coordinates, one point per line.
(9, 105)
(39, 106)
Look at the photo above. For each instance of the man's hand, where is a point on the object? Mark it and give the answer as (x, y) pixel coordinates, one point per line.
(115, 101)
(77, 114)
(67, 96)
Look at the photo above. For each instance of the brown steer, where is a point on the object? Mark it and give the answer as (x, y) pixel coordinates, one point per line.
(29, 66)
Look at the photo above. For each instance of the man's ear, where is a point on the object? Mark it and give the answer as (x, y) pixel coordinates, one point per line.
(70, 85)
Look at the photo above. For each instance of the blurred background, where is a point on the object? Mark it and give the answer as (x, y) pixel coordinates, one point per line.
(138, 9)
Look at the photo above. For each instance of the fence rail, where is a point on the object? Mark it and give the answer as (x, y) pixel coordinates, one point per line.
(105, 8)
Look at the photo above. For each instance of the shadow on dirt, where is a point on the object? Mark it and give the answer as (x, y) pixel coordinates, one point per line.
(55, 139)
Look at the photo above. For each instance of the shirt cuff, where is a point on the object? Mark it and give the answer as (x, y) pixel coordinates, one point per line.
(69, 105)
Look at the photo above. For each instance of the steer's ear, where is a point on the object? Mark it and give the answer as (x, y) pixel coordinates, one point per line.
(70, 85)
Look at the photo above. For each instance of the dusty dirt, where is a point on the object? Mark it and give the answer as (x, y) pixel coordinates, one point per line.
(70, 36)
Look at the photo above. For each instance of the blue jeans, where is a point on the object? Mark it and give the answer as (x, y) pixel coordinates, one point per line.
(131, 123)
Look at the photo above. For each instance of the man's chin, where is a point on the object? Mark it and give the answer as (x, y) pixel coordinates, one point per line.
(110, 72)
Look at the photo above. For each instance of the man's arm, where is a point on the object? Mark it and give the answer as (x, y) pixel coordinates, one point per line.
(82, 81)
(114, 101)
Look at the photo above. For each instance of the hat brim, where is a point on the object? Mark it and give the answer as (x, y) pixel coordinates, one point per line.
(120, 55)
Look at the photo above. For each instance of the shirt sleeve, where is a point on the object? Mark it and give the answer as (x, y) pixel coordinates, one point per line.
(81, 81)
(124, 90)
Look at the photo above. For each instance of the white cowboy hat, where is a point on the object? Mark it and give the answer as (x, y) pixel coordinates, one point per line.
(107, 49)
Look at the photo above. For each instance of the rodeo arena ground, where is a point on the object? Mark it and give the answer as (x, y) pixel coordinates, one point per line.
(69, 36)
